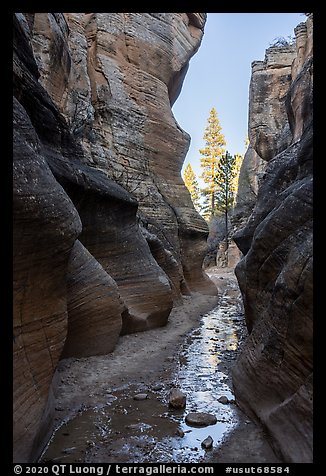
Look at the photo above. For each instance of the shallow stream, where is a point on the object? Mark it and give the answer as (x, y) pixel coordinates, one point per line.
(147, 431)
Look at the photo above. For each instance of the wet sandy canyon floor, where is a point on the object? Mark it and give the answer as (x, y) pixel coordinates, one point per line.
(99, 420)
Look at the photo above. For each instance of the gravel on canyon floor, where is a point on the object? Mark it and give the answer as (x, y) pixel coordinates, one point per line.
(128, 391)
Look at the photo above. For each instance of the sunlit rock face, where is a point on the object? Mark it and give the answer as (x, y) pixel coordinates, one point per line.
(126, 70)
(269, 131)
(105, 235)
(273, 375)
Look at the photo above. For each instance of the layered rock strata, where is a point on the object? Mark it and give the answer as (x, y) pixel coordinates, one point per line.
(105, 235)
(251, 173)
(273, 375)
(126, 71)
(46, 225)
(269, 131)
(94, 306)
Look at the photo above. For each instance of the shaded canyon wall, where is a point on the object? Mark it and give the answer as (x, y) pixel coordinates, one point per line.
(273, 374)
(106, 238)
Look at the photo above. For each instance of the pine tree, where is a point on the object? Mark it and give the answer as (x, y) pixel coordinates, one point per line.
(226, 180)
(191, 183)
(235, 182)
(246, 142)
(211, 154)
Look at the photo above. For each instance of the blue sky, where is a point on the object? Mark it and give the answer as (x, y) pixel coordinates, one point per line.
(219, 75)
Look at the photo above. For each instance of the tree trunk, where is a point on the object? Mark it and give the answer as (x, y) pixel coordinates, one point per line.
(226, 225)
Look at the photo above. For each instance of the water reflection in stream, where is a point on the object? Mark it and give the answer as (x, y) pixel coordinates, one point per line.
(126, 430)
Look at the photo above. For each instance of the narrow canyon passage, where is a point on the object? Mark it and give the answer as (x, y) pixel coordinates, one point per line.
(112, 307)
(128, 418)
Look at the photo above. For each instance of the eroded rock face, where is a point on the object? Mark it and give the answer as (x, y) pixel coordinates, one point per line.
(168, 263)
(90, 90)
(112, 235)
(126, 71)
(94, 306)
(269, 131)
(46, 225)
(273, 375)
(251, 173)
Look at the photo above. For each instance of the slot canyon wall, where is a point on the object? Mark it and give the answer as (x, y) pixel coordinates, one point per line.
(106, 238)
(272, 377)
(251, 172)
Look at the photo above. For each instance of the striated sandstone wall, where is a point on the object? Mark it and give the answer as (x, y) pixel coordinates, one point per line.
(105, 235)
(268, 127)
(269, 131)
(126, 70)
(46, 225)
(273, 375)
(251, 173)
(94, 306)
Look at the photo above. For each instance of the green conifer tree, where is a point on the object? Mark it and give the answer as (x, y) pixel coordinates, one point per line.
(212, 152)
(226, 180)
(191, 183)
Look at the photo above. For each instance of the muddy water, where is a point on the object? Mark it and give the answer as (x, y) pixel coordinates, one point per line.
(122, 429)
